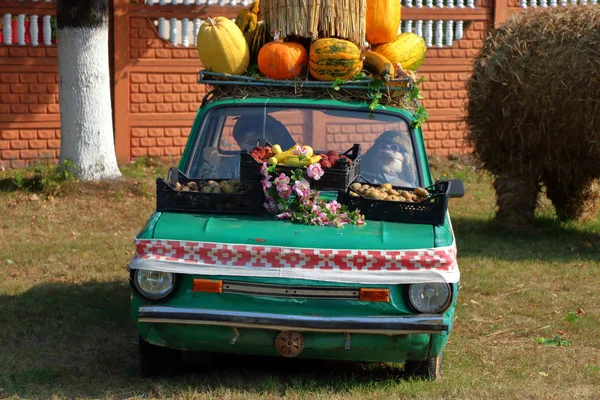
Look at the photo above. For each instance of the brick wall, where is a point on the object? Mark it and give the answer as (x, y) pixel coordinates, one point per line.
(156, 94)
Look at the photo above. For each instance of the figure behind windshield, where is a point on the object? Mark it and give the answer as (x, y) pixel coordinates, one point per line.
(390, 160)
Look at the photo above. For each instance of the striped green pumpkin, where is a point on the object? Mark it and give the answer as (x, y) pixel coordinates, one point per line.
(332, 59)
(408, 49)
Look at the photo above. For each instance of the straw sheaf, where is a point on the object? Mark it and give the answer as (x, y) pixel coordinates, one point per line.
(314, 19)
(534, 98)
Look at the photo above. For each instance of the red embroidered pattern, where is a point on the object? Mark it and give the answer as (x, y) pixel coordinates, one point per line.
(251, 256)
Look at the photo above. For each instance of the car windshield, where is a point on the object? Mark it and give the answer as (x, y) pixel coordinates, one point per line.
(388, 153)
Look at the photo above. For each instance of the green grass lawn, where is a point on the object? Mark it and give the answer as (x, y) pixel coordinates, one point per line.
(65, 329)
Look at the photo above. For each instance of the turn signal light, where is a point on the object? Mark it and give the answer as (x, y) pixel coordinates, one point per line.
(207, 286)
(373, 294)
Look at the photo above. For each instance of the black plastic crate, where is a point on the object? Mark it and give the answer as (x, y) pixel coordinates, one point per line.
(340, 176)
(249, 200)
(431, 211)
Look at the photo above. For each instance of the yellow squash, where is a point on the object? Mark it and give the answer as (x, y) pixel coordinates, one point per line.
(383, 20)
(222, 47)
(407, 49)
(378, 65)
(247, 18)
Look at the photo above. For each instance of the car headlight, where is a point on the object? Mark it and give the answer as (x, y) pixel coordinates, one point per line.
(154, 284)
(430, 298)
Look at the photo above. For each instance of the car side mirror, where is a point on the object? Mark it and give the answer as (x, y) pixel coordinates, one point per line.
(456, 187)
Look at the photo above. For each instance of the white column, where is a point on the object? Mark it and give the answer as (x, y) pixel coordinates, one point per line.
(449, 32)
(408, 26)
(533, 3)
(460, 3)
(407, 3)
(563, 3)
(428, 33)
(186, 2)
(197, 24)
(544, 3)
(198, 2)
(583, 2)
(47, 30)
(573, 2)
(33, 30)
(173, 31)
(162, 2)
(21, 29)
(439, 3)
(439, 33)
(7, 29)
(149, 2)
(552, 3)
(162, 30)
(419, 3)
(419, 27)
(459, 30)
(185, 32)
(470, 3)
(450, 3)
(429, 3)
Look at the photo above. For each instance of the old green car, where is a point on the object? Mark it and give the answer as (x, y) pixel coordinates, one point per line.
(248, 283)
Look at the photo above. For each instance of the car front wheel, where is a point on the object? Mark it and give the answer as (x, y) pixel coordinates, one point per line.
(156, 360)
(430, 369)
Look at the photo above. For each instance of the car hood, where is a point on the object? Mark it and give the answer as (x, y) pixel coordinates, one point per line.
(265, 230)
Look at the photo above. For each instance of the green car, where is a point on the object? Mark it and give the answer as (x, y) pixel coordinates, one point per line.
(248, 283)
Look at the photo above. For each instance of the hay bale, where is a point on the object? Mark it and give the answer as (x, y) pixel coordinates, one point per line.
(534, 105)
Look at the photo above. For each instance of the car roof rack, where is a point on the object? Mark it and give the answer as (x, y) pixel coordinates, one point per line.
(220, 79)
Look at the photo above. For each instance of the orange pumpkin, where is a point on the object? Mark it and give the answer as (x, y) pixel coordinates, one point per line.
(282, 60)
(383, 20)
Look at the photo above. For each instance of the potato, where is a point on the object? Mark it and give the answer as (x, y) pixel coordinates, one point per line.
(387, 186)
(185, 188)
(211, 182)
(193, 186)
(356, 186)
(206, 189)
(421, 192)
(372, 194)
(405, 194)
(393, 192)
(354, 194)
(228, 188)
(178, 186)
(392, 198)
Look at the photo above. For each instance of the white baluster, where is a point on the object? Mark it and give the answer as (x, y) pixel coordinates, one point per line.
(149, 2)
(439, 33)
(573, 2)
(594, 2)
(33, 30)
(552, 3)
(459, 30)
(408, 26)
(419, 3)
(470, 3)
(429, 33)
(533, 3)
(21, 29)
(460, 3)
(563, 3)
(173, 31)
(197, 24)
(583, 2)
(449, 32)
(429, 3)
(544, 3)
(162, 2)
(450, 3)
(419, 27)
(198, 2)
(185, 40)
(162, 29)
(407, 3)
(47, 30)
(186, 2)
(7, 29)
(439, 3)
(232, 2)
(523, 3)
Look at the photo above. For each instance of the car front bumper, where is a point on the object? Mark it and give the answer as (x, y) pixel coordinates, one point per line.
(401, 325)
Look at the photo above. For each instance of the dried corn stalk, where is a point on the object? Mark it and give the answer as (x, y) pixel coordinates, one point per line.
(314, 19)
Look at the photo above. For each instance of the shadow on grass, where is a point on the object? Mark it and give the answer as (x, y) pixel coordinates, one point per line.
(547, 240)
(79, 341)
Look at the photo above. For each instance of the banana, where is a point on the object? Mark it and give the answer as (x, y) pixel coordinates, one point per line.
(378, 65)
